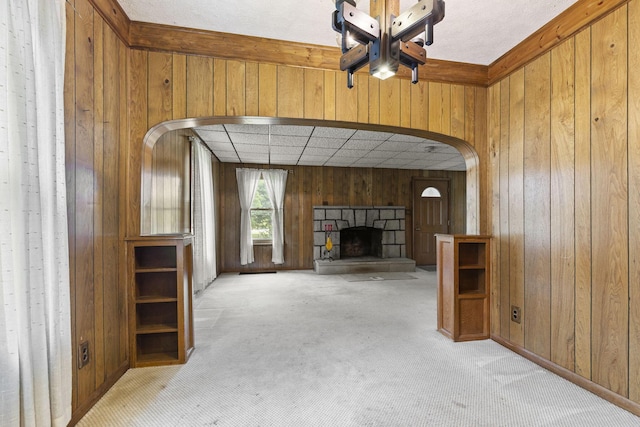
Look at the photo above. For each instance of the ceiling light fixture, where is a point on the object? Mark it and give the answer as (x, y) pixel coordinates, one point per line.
(385, 41)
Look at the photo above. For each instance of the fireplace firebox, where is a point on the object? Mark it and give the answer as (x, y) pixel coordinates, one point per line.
(361, 241)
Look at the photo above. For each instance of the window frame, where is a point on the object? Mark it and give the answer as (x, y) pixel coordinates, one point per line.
(258, 241)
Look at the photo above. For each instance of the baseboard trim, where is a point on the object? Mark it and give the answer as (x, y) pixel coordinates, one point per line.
(82, 410)
(571, 376)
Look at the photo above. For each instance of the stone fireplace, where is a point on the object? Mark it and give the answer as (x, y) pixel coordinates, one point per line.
(357, 231)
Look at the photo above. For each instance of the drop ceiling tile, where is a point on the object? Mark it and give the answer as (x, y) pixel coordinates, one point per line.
(328, 152)
(409, 155)
(291, 151)
(253, 159)
(249, 138)
(318, 159)
(228, 158)
(399, 137)
(425, 147)
(395, 146)
(309, 163)
(291, 130)
(458, 168)
(378, 154)
(362, 144)
(441, 157)
(339, 162)
(210, 136)
(246, 148)
(289, 141)
(395, 162)
(210, 128)
(349, 153)
(366, 163)
(322, 132)
(220, 146)
(283, 161)
(372, 135)
(278, 157)
(315, 142)
(261, 129)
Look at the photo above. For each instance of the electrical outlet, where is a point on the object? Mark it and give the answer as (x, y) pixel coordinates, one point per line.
(83, 354)
(515, 314)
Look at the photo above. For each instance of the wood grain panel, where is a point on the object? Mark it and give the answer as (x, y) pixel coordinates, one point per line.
(199, 86)
(374, 101)
(98, 198)
(219, 87)
(113, 298)
(84, 191)
(405, 103)
(268, 90)
(458, 104)
(537, 217)
(346, 100)
(390, 102)
(236, 88)
(329, 111)
(516, 202)
(494, 142)
(313, 94)
(583, 203)
(479, 140)
(251, 89)
(179, 87)
(609, 208)
(505, 298)
(634, 201)
(160, 87)
(420, 106)
(562, 205)
(362, 80)
(290, 92)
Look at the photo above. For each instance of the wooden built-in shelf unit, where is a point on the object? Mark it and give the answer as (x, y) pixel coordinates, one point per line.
(463, 286)
(160, 298)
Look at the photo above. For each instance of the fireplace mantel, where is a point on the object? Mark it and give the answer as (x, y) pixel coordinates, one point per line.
(389, 219)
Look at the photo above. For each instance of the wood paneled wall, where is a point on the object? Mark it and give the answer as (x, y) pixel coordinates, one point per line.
(96, 133)
(564, 137)
(309, 186)
(170, 210)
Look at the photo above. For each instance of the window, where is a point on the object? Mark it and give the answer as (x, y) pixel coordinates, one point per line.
(431, 192)
(261, 213)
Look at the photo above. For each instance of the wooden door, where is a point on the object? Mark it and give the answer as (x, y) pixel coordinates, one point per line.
(430, 217)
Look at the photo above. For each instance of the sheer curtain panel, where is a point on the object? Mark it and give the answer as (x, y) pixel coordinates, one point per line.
(204, 234)
(35, 335)
(247, 185)
(276, 182)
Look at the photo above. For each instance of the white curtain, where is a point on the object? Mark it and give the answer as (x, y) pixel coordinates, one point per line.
(276, 182)
(204, 234)
(247, 185)
(35, 336)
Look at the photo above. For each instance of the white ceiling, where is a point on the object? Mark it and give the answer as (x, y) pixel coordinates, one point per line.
(473, 31)
(325, 146)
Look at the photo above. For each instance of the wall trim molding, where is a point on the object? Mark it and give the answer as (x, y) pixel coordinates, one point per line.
(571, 376)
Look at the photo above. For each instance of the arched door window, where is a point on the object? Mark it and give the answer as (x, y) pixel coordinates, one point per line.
(431, 192)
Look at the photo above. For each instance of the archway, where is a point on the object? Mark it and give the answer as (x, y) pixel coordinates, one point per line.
(154, 134)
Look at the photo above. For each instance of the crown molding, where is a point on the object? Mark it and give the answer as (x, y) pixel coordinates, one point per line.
(114, 16)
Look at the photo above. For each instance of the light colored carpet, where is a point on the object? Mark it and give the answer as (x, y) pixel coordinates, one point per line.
(377, 276)
(299, 349)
